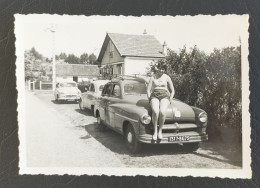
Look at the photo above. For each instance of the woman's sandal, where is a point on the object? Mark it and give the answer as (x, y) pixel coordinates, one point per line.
(160, 137)
(155, 137)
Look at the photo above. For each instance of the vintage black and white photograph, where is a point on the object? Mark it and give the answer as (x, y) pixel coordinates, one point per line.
(124, 95)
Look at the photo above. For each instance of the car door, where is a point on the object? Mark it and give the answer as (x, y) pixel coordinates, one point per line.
(84, 98)
(113, 99)
(90, 96)
(103, 102)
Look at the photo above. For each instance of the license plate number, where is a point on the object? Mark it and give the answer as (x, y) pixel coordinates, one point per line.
(178, 138)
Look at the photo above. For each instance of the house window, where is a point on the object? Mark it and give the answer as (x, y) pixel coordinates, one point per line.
(111, 50)
(119, 68)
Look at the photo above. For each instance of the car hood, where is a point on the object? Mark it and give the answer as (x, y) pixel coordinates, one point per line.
(69, 90)
(176, 111)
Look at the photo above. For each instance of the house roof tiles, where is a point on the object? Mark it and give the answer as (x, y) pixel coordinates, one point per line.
(133, 45)
(76, 70)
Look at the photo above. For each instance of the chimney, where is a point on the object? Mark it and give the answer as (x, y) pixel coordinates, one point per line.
(144, 33)
(164, 48)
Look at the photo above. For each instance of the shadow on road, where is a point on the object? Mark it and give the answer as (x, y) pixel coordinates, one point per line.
(116, 143)
(231, 153)
(64, 102)
(85, 112)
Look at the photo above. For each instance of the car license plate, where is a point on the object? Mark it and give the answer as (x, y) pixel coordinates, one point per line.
(178, 138)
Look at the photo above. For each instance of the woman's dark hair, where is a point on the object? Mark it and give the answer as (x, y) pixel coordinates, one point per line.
(162, 64)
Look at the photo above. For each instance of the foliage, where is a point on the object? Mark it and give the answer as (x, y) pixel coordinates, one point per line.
(84, 58)
(35, 66)
(72, 59)
(92, 59)
(211, 82)
(62, 56)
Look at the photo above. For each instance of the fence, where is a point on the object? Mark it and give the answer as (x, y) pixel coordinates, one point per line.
(39, 85)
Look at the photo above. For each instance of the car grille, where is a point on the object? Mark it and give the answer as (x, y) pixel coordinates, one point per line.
(179, 130)
(177, 127)
(71, 95)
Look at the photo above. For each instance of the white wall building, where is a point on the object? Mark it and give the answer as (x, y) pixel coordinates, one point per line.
(123, 54)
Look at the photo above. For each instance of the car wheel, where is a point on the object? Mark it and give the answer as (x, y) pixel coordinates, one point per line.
(101, 125)
(133, 145)
(56, 99)
(81, 107)
(92, 109)
(190, 147)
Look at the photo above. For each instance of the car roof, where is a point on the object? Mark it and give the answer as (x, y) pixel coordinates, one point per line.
(130, 78)
(100, 81)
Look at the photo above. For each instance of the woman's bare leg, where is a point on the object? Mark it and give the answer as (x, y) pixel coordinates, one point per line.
(164, 103)
(155, 109)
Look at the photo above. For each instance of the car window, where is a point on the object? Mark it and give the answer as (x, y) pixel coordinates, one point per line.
(107, 90)
(134, 88)
(101, 87)
(92, 88)
(116, 91)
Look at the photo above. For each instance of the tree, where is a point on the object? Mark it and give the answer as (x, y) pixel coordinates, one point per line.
(35, 54)
(92, 59)
(84, 58)
(72, 59)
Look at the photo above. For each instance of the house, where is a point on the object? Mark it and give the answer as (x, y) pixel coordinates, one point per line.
(129, 54)
(76, 72)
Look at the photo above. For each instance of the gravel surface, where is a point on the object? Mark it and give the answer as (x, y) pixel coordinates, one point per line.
(79, 138)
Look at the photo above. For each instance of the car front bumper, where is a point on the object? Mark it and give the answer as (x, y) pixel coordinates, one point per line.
(193, 137)
(68, 97)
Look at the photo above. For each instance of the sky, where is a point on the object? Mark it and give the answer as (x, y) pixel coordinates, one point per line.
(82, 34)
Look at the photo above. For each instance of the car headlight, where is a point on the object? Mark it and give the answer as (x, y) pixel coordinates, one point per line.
(203, 117)
(146, 119)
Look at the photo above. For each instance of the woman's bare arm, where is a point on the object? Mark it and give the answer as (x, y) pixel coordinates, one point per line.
(149, 87)
(169, 80)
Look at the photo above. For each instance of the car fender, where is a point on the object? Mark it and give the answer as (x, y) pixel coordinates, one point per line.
(129, 112)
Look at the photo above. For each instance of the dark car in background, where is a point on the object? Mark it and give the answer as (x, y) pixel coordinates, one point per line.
(124, 107)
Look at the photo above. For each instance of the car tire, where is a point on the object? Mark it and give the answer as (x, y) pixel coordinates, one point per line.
(101, 125)
(92, 109)
(133, 145)
(81, 105)
(57, 100)
(190, 147)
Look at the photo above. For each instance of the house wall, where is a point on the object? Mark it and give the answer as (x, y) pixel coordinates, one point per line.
(137, 65)
(64, 78)
(116, 56)
(70, 78)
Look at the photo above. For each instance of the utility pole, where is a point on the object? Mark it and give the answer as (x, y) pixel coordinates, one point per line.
(52, 30)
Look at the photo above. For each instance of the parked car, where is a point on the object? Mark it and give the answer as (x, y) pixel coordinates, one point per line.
(124, 107)
(88, 99)
(83, 86)
(67, 91)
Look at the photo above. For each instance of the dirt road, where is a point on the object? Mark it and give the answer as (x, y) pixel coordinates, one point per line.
(79, 143)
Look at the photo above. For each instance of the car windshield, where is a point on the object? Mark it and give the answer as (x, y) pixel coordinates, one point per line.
(134, 88)
(101, 87)
(68, 85)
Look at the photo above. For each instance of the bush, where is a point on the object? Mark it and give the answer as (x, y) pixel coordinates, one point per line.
(211, 82)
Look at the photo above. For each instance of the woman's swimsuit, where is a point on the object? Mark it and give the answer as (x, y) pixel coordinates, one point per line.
(160, 91)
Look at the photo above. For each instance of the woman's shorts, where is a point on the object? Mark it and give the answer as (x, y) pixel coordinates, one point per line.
(160, 94)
